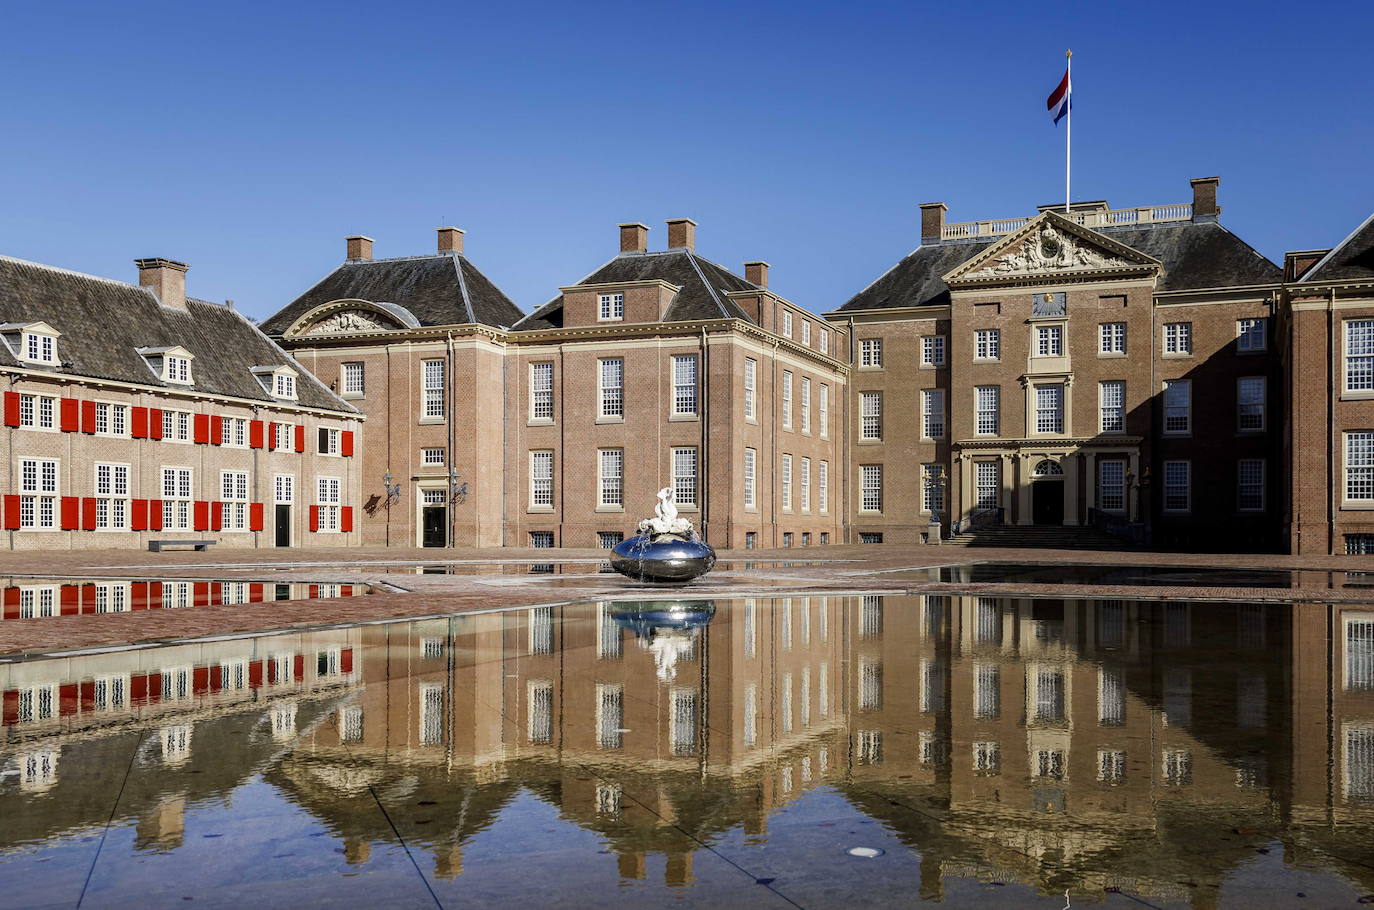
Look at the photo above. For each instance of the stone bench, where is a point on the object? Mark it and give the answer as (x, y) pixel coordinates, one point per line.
(155, 546)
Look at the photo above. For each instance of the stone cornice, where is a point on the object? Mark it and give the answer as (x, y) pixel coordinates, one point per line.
(1048, 442)
(621, 286)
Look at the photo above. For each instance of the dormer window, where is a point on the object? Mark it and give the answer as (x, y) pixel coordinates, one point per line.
(285, 386)
(170, 364)
(279, 382)
(32, 342)
(40, 348)
(177, 369)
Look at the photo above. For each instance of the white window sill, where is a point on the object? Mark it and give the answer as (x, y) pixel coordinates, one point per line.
(1111, 355)
(752, 510)
(868, 368)
(539, 422)
(870, 442)
(684, 507)
(610, 419)
(682, 418)
(1366, 505)
(1187, 356)
(540, 510)
(424, 421)
(1357, 394)
(933, 366)
(610, 319)
(352, 395)
(38, 429)
(610, 508)
(987, 360)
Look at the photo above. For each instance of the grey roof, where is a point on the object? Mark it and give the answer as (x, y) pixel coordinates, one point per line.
(703, 287)
(437, 289)
(1351, 260)
(1195, 256)
(104, 323)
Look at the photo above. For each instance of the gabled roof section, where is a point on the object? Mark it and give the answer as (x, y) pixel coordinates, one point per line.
(1351, 260)
(703, 283)
(104, 323)
(437, 289)
(1051, 246)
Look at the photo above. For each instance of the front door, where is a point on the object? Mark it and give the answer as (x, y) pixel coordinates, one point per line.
(1047, 502)
(434, 526)
(283, 525)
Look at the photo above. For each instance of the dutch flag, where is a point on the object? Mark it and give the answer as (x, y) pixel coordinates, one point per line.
(1058, 102)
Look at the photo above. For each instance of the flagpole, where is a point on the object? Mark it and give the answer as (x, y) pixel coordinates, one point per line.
(1068, 130)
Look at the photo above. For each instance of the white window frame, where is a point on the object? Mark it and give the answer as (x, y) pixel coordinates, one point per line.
(235, 432)
(353, 379)
(1358, 346)
(112, 419)
(806, 332)
(333, 441)
(329, 499)
(233, 490)
(932, 417)
(806, 405)
(685, 479)
(987, 344)
(823, 489)
(1178, 414)
(787, 399)
(1111, 338)
(785, 478)
(1252, 486)
(37, 412)
(1178, 339)
(685, 402)
(870, 416)
(283, 489)
(1111, 406)
(433, 456)
(541, 479)
(987, 410)
(871, 353)
(610, 379)
(1182, 485)
(871, 488)
(824, 409)
(284, 385)
(541, 391)
(1111, 485)
(610, 308)
(823, 340)
(1251, 408)
(1049, 341)
(805, 475)
(1050, 421)
(787, 323)
(610, 478)
(751, 459)
(1359, 466)
(178, 491)
(112, 496)
(177, 369)
(987, 479)
(284, 437)
(932, 350)
(433, 389)
(1252, 334)
(38, 347)
(751, 371)
(39, 493)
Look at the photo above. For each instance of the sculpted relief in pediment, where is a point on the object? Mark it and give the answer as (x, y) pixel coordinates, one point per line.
(348, 321)
(1049, 249)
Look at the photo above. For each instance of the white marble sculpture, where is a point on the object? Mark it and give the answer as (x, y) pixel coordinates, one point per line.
(665, 522)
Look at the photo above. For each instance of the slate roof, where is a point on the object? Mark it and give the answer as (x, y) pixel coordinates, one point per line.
(1195, 256)
(1352, 260)
(703, 287)
(437, 289)
(104, 322)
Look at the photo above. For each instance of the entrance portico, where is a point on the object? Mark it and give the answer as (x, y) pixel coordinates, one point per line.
(1026, 482)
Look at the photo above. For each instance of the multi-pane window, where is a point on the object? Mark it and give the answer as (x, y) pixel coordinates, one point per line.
(823, 340)
(987, 408)
(37, 493)
(283, 489)
(611, 474)
(283, 385)
(871, 487)
(612, 387)
(1111, 486)
(806, 333)
(1250, 484)
(1049, 340)
(234, 500)
(1250, 334)
(329, 441)
(1178, 338)
(36, 411)
(37, 602)
(806, 405)
(611, 306)
(432, 388)
(330, 502)
(1359, 545)
(685, 476)
(541, 479)
(933, 413)
(112, 497)
(787, 399)
(1049, 408)
(1177, 767)
(1178, 406)
(176, 426)
(933, 350)
(1250, 403)
(987, 688)
(431, 714)
(40, 348)
(541, 391)
(987, 483)
(825, 410)
(786, 482)
(176, 369)
(432, 456)
(750, 462)
(1359, 355)
(176, 499)
(1111, 398)
(1178, 486)
(1111, 338)
(352, 379)
(1359, 466)
(870, 352)
(987, 344)
(111, 419)
(932, 491)
(787, 323)
(541, 540)
(751, 375)
(236, 432)
(870, 415)
(540, 711)
(685, 384)
(823, 490)
(610, 714)
(805, 486)
(281, 436)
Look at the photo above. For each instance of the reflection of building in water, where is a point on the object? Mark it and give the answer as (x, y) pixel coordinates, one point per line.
(1072, 745)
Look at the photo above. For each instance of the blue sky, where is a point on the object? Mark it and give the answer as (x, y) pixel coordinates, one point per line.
(247, 139)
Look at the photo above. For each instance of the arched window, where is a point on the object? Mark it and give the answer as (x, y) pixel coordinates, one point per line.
(1047, 468)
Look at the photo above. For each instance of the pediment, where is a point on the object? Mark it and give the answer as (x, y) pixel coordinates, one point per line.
(340, 317)
(1053, 247)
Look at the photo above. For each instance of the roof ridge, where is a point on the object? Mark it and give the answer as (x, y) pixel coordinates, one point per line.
(74, 273)
(1321, 263)
(710, 288)
(436, 255)
(463, 287)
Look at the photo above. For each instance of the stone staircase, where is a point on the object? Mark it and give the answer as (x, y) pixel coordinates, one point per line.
(1040, 537)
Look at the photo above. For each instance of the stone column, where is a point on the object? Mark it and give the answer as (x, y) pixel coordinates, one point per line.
(1089, 481)
(1004, 496)
(967, 495)
(1070, 463)
(1023, 491)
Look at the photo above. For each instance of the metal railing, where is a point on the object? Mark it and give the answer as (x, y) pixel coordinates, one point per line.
(1149, 214)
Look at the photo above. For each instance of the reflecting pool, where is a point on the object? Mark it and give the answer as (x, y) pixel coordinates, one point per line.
(782, 751)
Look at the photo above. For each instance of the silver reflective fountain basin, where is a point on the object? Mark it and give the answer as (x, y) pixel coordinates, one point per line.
(667, 560)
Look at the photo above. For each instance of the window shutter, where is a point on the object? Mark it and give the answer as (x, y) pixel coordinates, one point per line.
(216, 592)
(298, 667)
(255, 516)
(346, 445)
(138, 515)
(155, 423)
(138, 595)
(201, 431)
(11, 603)
(314, 518)
(346, 660)
(11, 409)
(216, 516)
(255, 593)
(324, 440)
(255, 434)
(201, 590)
(12, 513)
(71, 415)
(201, 515)
(139, 423)
(200, 681)
(255, 675)
(155, 515)
(71, 513)
(272, 437)
(217, 430)
(300, 437)
(313, 592)
(88, 416)
(88, 513)
(346, 518)
(71, 600)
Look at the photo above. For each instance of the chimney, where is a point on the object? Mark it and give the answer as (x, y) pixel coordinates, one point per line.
(166, 278)
(634, 237)
(756, 272)
(932, 222)
(450, 240)
(682, 234)
(358, 247)
(1205, 206)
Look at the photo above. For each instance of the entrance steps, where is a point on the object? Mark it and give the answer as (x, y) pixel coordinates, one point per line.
(1040, 537)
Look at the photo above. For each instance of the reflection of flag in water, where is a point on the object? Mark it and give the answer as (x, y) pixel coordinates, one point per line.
(1058, 103)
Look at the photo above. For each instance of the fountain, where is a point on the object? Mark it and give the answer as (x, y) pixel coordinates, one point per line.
(667, 550)
(666, 629)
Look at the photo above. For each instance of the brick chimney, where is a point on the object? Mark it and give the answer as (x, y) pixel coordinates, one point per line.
(756, 272)
(682, 234)
(1205, 206)
(166, 278)
(634, 237)
(357, 247)
(450, 240)
(932, 222)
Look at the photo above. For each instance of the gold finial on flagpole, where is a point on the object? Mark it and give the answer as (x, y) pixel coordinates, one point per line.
(1068, 53)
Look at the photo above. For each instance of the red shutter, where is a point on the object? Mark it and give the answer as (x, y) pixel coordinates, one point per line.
(201, 515)
(200, 680)
(346, 518)
(155, 595)
(88, 598)
(71, 415)
(138, 598)
(12, 513)
(88, 416)
(216, 593)
(216, 516)
(346, 660)
(155, 423)
(314, 592)
(200, 431)
(10, 717)
(217, 430)
(298, 665)
(138, 515)
(255, 592)
(255, 675)
(346, 442)
(67, 695)
(255, 429)
(88, 513)
(314, 518)
(71, 600)
(140, 423)
(201, 590)
(345, 590)
(300, 437)
(11, 409)
(88, 695)
(71, 513)
(11, 603)
(272, 436)
(155, 515)
(138, 688)
(255, 516)
(153, 693)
